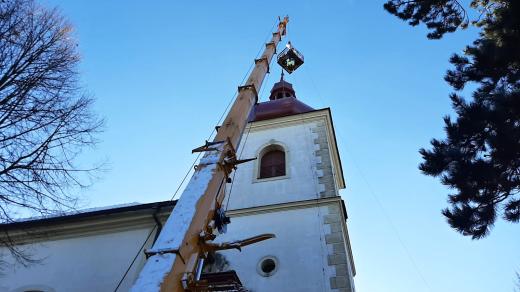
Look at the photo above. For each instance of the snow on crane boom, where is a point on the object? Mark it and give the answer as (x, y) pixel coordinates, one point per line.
(175, 260)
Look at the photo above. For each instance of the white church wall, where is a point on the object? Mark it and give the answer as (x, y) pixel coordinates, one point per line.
(301, 179)
(299, 249)
(80, 263)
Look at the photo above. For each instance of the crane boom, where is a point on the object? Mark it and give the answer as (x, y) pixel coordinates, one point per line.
(175, 258)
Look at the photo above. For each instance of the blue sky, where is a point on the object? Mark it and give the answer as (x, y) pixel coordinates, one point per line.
(162, 73)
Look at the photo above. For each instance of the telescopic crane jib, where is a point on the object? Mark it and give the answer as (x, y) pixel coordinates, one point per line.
(176, 259)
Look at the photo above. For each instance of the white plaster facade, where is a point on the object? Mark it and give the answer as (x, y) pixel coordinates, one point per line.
(297, 135)
(86, 254)
(69, 264)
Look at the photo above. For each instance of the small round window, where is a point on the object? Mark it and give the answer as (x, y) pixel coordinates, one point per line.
(267, 266)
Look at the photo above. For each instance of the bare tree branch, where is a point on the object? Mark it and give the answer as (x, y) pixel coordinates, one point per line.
(45, 119)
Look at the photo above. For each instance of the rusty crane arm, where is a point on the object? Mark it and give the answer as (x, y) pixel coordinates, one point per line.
(174, 262)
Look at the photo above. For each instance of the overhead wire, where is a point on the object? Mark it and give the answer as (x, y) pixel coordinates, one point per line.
(243, 79)
(233, 97)
(135, 258)
(243, 146)
(379, 203)
(390, 222)
(262, 90)
(197, 157)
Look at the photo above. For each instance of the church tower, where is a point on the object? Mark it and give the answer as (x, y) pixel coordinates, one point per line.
(292, 191)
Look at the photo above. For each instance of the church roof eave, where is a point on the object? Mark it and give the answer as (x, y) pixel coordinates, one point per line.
(101, 213)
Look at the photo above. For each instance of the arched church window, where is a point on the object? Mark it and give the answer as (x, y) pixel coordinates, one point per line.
(272, 162)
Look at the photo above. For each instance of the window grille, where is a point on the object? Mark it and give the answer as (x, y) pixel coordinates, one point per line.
(272, 164)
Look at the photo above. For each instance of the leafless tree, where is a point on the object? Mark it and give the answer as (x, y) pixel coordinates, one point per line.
(45, 118)
(517, 282)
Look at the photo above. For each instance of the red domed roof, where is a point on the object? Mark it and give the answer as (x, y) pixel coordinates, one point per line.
(282, 103)
(282, 89)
